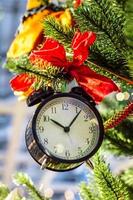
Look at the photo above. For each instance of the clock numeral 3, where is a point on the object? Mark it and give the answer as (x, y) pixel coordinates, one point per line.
(64, 106)
(86, 118)
(67, 153)
(53, 110)
(45, 141)
(41, 129)
(46, 118)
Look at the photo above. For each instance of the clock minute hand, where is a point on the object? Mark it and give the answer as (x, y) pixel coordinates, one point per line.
(57, 123)
(74, 119)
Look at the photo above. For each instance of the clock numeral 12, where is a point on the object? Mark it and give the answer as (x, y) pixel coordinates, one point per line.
(64, 106)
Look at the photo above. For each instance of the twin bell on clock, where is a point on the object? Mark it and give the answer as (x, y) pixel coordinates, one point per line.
(66, 129)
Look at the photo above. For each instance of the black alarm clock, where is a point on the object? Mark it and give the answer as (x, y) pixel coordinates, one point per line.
(66, 129)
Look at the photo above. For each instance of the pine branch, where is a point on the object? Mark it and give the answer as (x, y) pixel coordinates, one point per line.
(127, 177)
(86, 193)
(115, 21)
(44, 73)
(120, 140)
(4, 191)
(110, 187)
(56, 30)
(107, 18)
(24, 180)
(109, 50)
(103, 47)
(123, 83)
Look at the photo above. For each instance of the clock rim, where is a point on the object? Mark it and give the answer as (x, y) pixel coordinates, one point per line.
(82, 99)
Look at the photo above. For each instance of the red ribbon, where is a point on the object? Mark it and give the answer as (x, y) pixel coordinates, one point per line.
(96, 85)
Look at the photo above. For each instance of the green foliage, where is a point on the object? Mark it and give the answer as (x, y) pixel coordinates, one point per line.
(54, 29)
(4, 191)
(44, 73)
(124, 85)
(86, 193)
(127, 177)
(119, 140)
(107, 19)
(105, 185)
(22, 179)
(109, 187)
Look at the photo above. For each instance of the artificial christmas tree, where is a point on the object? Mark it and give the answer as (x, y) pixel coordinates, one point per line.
(109, 60)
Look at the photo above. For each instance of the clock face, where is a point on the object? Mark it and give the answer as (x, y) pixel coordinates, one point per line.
(68, 129)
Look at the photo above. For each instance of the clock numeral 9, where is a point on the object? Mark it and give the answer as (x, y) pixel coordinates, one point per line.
(64, 106)
(46, 118)
(53, 110)
(41, 129)
(45, 141)
(67, 153)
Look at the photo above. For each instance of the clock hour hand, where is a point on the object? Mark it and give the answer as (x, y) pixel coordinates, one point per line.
(57, 123)
(74, 119)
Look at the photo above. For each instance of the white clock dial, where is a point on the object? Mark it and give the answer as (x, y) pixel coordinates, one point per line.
(67, 129)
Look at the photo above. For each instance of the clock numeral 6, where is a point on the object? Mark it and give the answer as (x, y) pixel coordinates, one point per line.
(80, 151)
(46, 118)
(67, 153)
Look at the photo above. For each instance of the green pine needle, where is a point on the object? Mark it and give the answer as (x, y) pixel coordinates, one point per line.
(106, 18)
(48, 76)
(127, 177)
(110, 187)
(125, 86)
(86, 193)
(119, 140)
(57, 31)
(22, 179)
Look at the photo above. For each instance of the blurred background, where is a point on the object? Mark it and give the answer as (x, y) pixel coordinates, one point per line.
(14, 117)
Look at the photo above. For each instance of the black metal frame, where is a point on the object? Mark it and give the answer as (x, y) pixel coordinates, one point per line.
(90, 104)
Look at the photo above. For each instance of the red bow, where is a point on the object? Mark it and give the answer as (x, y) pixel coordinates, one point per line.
(96, 85)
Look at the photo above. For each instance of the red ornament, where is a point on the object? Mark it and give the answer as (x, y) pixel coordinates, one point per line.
(77, 3)
(21, 82)
(96, 85)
